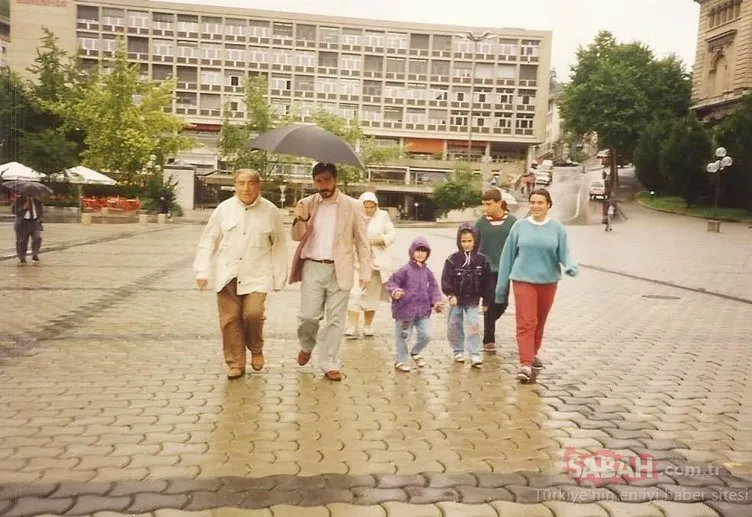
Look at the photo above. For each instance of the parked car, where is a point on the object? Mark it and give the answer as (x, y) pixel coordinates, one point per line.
(546, 166)
(597, 189)
(542, 178)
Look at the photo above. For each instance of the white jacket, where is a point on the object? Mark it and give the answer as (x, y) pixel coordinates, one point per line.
(381, 234)
(247, 243)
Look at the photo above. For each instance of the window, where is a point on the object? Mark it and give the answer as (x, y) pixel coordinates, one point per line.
(211, 25)
(349, 87)
(163, 21)
(303, 58)
(88, 43)
(524, 123)
(282, 30)
(437, 117)
(280, 83)
(458, 120)
(506, 71)
(187, 49)
(394, 91)
(396, 40)
(348, 111)
(235, 28)
(234, 81)
(372, 113)
(114, 17)
(235, 54)
(439, 93)
(282, 57)
(258, 55)
(326, 85)
(463, 45)
(374, 39)
(440, 68)
(259, 29)
(372, 88)
(211, 77)
(187, 24)
(395, 65)
(418, 92)
(418, 66)
(138, 19)
(350, 62)
(329, 34)
(507, 48)
(211, 51)
(351, 37)
(414, 116)
(162, 47)
(530, 48)
(462, 69)
(304, 83)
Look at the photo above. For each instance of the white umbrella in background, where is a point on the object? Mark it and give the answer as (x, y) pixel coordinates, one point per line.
(19, 171)
(83, 176)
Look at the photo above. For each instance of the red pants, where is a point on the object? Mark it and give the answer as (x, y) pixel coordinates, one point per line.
(532, 304)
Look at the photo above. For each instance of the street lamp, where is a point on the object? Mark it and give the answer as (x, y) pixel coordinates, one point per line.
(717, 167)
(282, 188)
(475, 38)
(416, 210)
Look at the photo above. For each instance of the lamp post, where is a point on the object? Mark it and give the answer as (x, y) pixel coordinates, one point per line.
(717, 167)
(416, 210)
(282, 189)
(475, 38)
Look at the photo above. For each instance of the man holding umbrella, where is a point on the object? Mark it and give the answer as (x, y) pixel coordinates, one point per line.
(28, 211)
(330, 227)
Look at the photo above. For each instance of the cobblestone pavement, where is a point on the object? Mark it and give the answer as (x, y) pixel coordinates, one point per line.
(116, 398)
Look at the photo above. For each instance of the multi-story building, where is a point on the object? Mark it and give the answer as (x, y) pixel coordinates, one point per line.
(414, 84)
(553, 146)
(4, 38)
(722, 72)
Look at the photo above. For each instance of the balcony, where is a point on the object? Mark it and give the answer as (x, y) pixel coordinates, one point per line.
(531, 83)
(84, 24)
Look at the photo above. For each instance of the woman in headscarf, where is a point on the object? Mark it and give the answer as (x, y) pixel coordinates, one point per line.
(381, 234)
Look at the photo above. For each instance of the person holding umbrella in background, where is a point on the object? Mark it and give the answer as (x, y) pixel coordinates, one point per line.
(29, 211)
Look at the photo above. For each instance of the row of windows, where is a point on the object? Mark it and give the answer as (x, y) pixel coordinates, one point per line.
(114, 17)
(725, 11)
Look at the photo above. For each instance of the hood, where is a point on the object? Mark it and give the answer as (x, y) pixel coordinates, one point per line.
(419, 242)
(476, 235)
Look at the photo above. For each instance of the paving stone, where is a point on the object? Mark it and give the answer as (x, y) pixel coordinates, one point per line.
(350, 510)
(399, 509)
(368, 496)
(674, 509)
(437, 480)
(494, 480)
(184, 486)
(467, 510)
(425, 495)
(138, 487)
(508, 509)
(728, 509)
(618, 509)
(89, 504)
(399, 480)
(241, 484)
(15, 491)
(345, 481)
(548, 480)
(561, 508)
(639, 494)
(150, 502)
(526, 494)
(297, 511)
(28, 506)
(476, 495)
(209, 500)
(324, 496)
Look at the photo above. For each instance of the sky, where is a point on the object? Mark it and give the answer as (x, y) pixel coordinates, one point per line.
(667, 26)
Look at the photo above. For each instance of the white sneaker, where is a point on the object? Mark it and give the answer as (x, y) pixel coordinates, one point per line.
(368, 331)
(476, 362)
(524, 374)
(459, 358)
(351, 333)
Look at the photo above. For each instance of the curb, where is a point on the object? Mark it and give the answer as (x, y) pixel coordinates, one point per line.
(666, 211)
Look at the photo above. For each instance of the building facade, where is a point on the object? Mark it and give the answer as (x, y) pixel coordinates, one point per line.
(722, 72)
(553, 147)
(426, 87)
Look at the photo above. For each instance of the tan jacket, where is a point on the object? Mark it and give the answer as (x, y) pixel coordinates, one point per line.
(351, 236)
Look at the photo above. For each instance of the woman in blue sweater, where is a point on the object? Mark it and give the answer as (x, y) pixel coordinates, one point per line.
(533, 256)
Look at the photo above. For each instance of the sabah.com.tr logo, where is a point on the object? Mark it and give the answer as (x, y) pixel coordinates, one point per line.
(607, 466)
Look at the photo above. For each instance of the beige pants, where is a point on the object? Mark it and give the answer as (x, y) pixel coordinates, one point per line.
(241, 318)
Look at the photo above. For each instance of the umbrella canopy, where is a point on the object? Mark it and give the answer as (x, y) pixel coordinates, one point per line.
(83, 176)
(28, 188)
(19, 171)
(309, 141)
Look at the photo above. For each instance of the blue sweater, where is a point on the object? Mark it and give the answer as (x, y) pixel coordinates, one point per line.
(534, 253)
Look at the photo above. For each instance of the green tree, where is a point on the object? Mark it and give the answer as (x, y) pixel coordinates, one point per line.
(461, 190)
(260, 117)
(368, 147)
(735, 134)
(684, 155)
(126, 120)
(616, 89)
(647, 155)
(16, 105)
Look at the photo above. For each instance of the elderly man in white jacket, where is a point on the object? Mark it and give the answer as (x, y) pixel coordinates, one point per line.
(245, 246)
(381, 235)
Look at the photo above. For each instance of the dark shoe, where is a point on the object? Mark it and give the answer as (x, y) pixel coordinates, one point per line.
(257, 361)
(235, 373)
(22, 261)
(35, 258)
(333, 375)
(489, 348)
(303, 357)
(537, 364)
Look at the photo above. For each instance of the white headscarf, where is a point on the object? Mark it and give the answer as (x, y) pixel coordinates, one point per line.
(368, 196)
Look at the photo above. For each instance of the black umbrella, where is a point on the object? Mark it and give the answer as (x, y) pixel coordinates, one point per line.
(28, 188)
(309, 141)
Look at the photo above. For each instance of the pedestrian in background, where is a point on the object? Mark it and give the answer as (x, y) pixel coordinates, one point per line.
(28, 226)
(532, 259)
(244, 247)
(415, 294)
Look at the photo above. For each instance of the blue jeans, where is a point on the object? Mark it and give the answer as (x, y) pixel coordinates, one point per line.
(463, 329)
(402, 335)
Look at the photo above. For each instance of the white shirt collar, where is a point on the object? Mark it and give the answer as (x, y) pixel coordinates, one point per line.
(537, 223)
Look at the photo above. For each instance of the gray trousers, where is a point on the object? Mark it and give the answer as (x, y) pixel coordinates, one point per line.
(320, 296)
(28, 229)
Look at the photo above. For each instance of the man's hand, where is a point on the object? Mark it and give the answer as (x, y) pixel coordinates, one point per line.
(201, 283)
(301, 211)
(364, 284)
(399, 293)
(438, 307)
(452, 301)
(483, 309)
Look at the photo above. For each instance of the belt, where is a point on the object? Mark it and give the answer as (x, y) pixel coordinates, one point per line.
(325, 261)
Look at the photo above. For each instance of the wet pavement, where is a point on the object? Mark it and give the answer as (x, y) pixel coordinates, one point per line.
(116, 398)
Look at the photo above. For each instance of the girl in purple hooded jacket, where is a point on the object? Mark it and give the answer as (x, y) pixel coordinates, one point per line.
(415, 293)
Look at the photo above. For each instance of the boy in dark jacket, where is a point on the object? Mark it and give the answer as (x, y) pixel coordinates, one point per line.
(466, 280)
(415, 294)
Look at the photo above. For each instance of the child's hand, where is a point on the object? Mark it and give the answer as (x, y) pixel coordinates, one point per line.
(438, 307)
(452, 301)
(483, 309)
(396, 295)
